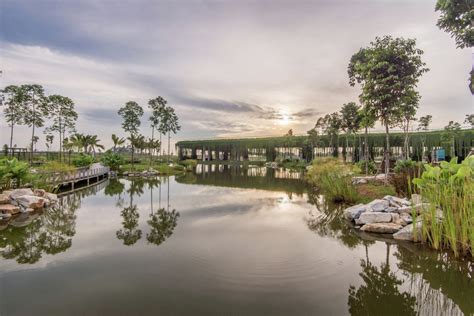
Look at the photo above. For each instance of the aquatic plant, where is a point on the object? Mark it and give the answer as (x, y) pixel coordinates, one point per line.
(448, 221)
(12, 172)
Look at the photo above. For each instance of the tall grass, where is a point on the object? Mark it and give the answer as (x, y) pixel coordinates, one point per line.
(449, 220)
(333, 178)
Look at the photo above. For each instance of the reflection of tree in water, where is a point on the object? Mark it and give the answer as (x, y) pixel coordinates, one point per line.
(379, 294)
(51, 233)
(442, 285)
(330, 222)
(163, 222)
(130, 233)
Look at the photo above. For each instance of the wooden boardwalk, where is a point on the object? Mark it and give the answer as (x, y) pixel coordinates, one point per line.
(81, 176)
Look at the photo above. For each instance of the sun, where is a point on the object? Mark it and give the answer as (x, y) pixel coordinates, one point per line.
(284, 119)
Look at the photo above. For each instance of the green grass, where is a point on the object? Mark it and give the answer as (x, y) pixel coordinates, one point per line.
(373, 190)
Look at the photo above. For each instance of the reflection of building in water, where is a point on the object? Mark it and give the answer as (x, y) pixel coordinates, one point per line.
(257, 172)
(282, 173)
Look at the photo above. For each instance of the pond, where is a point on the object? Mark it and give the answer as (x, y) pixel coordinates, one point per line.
(220, 240)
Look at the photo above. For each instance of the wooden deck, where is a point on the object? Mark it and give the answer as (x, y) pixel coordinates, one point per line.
(81, 177)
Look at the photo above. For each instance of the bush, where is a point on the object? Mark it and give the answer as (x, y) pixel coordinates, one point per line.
(189, 164)
(449, 188)
(112, 160)
(405, 172)
(83, 160)
(333, 178)
(13, 172)
(371, 166)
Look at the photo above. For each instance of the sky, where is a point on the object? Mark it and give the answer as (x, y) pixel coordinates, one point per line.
(229, 68)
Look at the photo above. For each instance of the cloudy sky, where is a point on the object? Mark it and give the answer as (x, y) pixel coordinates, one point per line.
(230, 68)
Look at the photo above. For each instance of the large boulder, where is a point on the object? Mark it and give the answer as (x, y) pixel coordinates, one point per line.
(9, 209)
(53, 198)
(381, 228)
(378, 205)
(40, 192)
(4, 199)
(374, 217)
(410, 232)
(20, 192)
(31, 201)
(354, 212)
(396, 200)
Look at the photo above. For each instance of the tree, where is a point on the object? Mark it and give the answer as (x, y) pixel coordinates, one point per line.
(92, 142)
(367, 120)
(170, 124)
(313, 136)
(131, 114)
(423, 125)
(408, 108)
(449, 135)
(157, 106)
(61, 110)
(35, 109)
(117, 141)
(456, 18)
(469, 120)
(49, 141)
(35, 141)
(388, 72)
(350, 122)
(14, 108)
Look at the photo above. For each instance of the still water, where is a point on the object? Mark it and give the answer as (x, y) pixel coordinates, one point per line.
(219, 241)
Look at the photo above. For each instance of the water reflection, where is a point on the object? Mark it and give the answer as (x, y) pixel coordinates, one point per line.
(130, 233)
(30, 235)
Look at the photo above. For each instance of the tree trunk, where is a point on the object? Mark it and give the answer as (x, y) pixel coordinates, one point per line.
(347, 146)
(387, 153)
(169, 139)
(366, 151)
(11, 140)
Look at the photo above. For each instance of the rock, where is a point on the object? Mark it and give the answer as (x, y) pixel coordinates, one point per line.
(53, 198)
(397, 200)
(378, 205)
(407, 233)
(20, 192)
(422, 207)
(9, 209)
(381, 228)
(395, 217)
(374, 217)
(4, 199)
(404, 209)
(354, 212)
(391, 209)
(5, 215)
(416, 199)
(380, 177)
(406, 218)
(31, 201)
(40, 192)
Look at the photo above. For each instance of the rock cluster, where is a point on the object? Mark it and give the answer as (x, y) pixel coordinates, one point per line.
(24, 200)
(145, 173)
(390, 215)
(365, 179)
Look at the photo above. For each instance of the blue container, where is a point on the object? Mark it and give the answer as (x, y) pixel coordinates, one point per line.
(440, 154)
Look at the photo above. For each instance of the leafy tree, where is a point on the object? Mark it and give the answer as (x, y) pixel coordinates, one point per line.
(449, 135)
(170, 124)
(49, 141)
(388, 72)
(423, 125)
(35, 108)
(118, 141)
(61, 110)
(92, 143)
(469, 120)
(35, 141)
(162, 225)
(456, 18)
(367, 120)
(157, 106)
(408, 108)
(112, 160)
(350, 121)
(131, 114)
(313, 136)
(14, 107)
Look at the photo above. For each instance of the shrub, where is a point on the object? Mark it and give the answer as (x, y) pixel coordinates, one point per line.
(333, 178)
(13, 172)
(83, 160)
(371, 166)
(112, 160)
(405, 172)
(189, 164)
(449, 189)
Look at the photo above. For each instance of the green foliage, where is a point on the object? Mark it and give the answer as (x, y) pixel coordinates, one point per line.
(369, 164)
(405, 172)
(112, 160)
(83, 160)
(189, 164)
(13, 172)
(456, 18)
(449, 188)
(333, 178)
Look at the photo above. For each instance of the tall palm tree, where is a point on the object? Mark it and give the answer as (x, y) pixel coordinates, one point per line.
(118, 141)
(92, 142)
